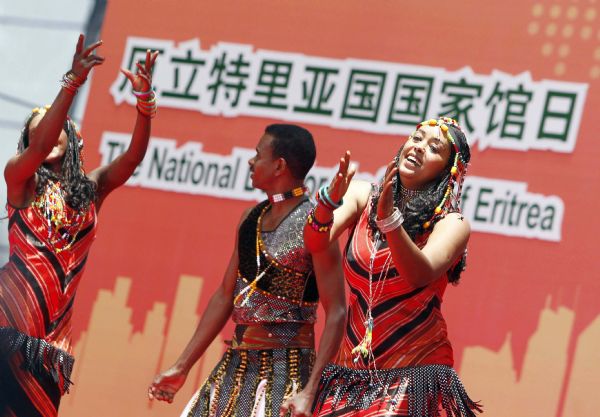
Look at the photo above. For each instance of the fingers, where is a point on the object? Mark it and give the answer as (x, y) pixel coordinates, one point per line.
(160, 394)
(93, 60)
(141, 69)
(91, 48)
(154, 56)
(285, 407)
(351, 173)
(148, 62)
(344, 163)
(150, 58)
(387, 188)
(389, 167)
(128, 74)
(391, 174)
(385, 205)
(141, 80)
(79, 46)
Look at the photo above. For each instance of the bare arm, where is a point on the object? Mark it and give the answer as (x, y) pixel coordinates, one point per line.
(330, 282)
(116, 173)
(44, 131)
(355, 195)
(166, 384)
(445, 244)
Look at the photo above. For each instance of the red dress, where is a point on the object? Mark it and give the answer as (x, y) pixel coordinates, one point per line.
(37, 290)
(407, 366)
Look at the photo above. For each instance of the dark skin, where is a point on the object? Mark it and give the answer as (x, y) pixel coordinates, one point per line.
(48, 144)
(424, 156)
(272, 175)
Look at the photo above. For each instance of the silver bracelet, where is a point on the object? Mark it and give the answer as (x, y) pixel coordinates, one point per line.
(390, 223)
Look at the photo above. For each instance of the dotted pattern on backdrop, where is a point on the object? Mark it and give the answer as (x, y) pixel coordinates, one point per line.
(562, 25)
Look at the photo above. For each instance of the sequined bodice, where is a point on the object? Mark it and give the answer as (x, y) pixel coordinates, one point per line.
(281, 286)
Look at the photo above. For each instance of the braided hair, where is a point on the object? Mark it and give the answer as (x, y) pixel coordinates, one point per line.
(418, 210)
(79, 190)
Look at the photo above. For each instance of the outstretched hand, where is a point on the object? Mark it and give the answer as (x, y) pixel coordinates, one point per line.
(385, 205)
(340, 183)
(298, 405)
(142, 79)
(85, 59)
(166, 384)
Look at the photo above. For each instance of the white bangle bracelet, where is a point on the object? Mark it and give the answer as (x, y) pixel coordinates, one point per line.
(390, 223)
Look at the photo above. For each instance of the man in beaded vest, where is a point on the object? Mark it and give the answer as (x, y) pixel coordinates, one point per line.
(271, 288)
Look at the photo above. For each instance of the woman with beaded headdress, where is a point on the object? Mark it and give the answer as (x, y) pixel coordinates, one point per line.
(407, 241)
(52, 206)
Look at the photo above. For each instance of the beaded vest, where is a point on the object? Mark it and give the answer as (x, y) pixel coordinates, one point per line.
(284, 289)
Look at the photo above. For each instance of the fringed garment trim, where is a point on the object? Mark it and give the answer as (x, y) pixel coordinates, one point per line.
(252, 383)
(39, 357)
(425, 388)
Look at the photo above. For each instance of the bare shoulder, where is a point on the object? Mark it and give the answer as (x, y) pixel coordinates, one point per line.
(245, 214)
(453, 223)
(359, 191)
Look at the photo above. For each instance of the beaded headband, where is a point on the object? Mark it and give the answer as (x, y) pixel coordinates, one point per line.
(457, 172)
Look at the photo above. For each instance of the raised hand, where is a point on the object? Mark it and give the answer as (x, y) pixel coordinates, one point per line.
(84, 59)
(166, 384)
(142, 79)
(340, 183)
(385, 205)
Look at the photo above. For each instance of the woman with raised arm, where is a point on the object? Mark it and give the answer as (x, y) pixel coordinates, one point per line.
(407, 242)
(52, 206)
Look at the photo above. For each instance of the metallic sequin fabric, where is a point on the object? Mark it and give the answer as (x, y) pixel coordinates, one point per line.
(287, 290)
(263, 307)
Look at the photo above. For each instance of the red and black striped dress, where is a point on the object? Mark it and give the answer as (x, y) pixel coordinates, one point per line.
(37, 290)
(409, 368)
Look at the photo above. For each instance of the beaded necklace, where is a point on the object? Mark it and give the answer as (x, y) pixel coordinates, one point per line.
(295, 192)
(364, 349)
(252, 286)
(407, 194)
(63, 224)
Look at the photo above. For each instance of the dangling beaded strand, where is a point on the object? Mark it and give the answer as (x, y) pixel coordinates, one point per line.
(252, 286)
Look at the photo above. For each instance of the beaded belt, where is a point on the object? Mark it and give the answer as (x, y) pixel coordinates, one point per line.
(274, 336)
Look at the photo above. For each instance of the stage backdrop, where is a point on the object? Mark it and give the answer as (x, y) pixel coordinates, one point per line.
(523, 79)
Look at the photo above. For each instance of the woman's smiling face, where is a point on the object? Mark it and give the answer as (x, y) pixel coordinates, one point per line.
(424, 156)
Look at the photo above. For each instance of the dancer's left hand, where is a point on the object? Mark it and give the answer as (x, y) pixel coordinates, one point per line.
(142, 79)
(298, 405)
(385, 206)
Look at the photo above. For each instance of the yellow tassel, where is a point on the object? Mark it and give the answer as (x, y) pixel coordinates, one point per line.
(364, 347)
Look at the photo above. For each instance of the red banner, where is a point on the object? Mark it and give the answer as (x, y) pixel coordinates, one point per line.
(521, 77)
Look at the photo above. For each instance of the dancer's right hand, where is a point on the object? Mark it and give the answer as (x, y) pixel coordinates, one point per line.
(340, 183)
(166, 384)
(84, 59)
